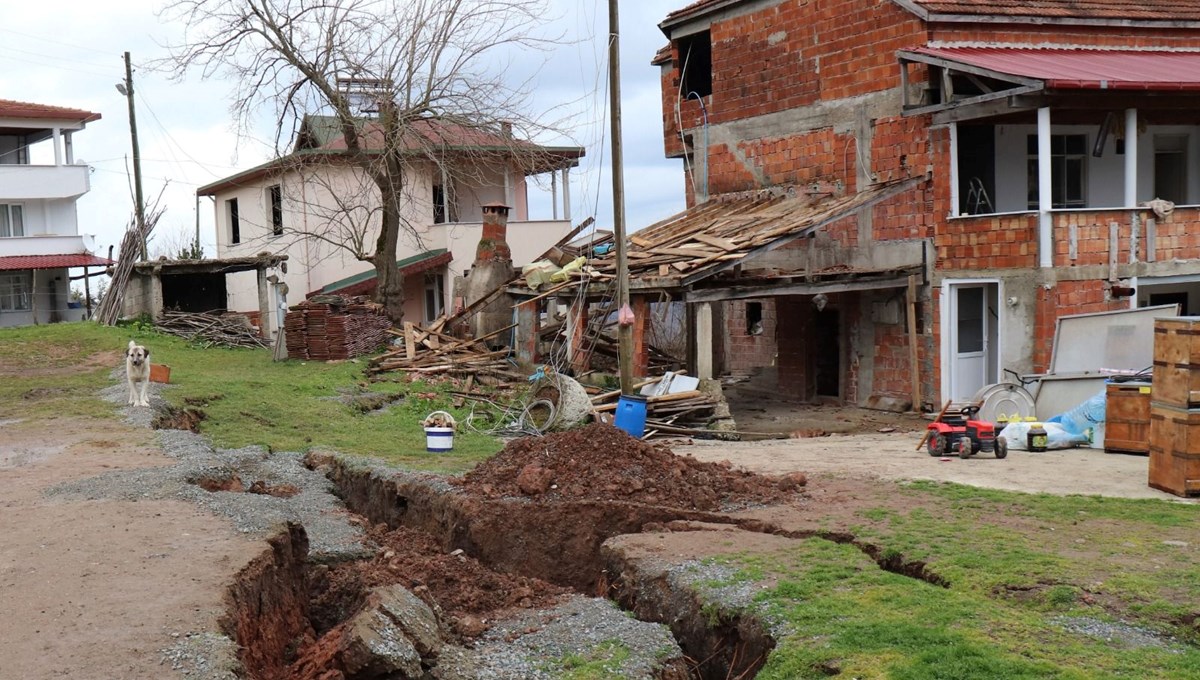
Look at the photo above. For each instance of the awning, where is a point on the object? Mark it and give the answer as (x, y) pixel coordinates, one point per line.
(364, 283)
(1066, 69)
(19, 262)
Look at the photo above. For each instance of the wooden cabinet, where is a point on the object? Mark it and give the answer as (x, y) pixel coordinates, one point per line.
(1177, 361)
(1175, 449)
(1127, 417)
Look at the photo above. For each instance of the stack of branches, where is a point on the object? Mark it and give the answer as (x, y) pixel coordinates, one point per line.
(428, 351)
(600, 342)
(669, 415)
(210, 329)
(131, 245)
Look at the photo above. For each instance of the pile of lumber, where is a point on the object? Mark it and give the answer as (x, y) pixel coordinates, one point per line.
(428, 352)
(669, 415)
(328, 327)
(211, 330)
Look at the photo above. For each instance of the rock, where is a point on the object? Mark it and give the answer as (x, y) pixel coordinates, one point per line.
(390, 635)
(793, 481)
(470, 625)
(534, 479)
(1177, 544)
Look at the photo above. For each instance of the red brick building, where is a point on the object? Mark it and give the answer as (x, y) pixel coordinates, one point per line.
(1035, 134)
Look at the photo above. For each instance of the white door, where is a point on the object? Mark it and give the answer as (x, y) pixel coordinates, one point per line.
(969, 341)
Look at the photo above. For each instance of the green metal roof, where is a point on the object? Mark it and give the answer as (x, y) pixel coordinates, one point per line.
(370, 273)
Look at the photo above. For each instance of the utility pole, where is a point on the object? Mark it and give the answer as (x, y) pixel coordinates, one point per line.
(139, 208)
(624, 331)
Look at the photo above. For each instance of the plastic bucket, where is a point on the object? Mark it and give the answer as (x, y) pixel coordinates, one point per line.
(439, 439)
(631, 414)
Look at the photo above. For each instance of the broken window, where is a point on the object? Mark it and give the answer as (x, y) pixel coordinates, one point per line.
(754, 324)
(1068, 171)
(235, 229)
(276, 193)
(695, 53)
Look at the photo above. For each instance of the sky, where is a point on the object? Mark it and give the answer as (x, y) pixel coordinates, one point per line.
(69, 53)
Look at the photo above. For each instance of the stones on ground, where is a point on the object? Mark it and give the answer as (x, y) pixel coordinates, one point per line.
(534, 479)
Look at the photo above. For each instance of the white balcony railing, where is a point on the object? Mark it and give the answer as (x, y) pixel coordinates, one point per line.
(24, 182)
(45, 245)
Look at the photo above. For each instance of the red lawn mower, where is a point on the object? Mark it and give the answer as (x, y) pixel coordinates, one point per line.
(956, 432)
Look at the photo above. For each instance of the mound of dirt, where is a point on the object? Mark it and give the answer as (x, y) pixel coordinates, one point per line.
(467, 591)
(602, 463)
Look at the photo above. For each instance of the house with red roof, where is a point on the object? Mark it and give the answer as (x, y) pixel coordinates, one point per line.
(39, 230)
(1051, 151)
(317, 207)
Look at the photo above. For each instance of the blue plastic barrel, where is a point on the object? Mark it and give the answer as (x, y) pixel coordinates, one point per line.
(631, 414)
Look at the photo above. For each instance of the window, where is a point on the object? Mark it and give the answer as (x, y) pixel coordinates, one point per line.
(439, 204)
(435, 294)
(754, 325)
(235, 229)
(12, 220)
(695, 54)
(14, 292)
(1068, 171)
(276, 193)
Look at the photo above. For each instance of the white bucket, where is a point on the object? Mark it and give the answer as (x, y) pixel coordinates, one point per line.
(439, 439)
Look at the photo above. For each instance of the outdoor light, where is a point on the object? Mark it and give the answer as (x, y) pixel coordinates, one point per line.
(122, 90)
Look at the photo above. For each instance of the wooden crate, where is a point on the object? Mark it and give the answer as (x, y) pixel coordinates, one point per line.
(1175, 449)
(1127, 417)
(1177, 361)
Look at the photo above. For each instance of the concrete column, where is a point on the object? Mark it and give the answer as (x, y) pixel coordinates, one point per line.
(264, 303)
(566, 182)
(641, 349)
(553, 196)
(954, 199)
(1131, 157)
(528, 329)
(577, 355)
(58, 147)
(70, 149)
(704, 341)
(1045, 188)
(156, 293)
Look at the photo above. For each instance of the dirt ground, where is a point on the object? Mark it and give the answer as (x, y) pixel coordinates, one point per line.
(96, 589)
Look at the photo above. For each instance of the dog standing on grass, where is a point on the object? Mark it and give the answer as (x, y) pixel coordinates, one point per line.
(137, 373)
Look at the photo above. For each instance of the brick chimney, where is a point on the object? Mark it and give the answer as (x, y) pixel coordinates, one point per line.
(493, 243)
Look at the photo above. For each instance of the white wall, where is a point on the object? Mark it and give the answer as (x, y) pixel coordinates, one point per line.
(1105, 175)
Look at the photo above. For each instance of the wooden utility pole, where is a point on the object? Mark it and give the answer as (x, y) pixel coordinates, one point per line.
(139, 207)
(624, 331)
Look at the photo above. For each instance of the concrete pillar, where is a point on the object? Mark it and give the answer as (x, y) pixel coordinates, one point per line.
(70, 149)
(704, 341)
(641, 349)
(1131, 157)
(58, 147)
(1045, 195)
(577, 354)
(492, 269)
(553, 196)
(528, 329)
(264, 303)
(566, 182)
(954, 199)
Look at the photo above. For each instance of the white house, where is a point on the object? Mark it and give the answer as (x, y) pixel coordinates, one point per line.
(298, 205)
(39, 230)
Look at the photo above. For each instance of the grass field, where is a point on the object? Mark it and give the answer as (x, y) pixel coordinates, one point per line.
(247, 398)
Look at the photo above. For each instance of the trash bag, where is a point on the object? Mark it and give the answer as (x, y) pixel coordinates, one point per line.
(1084, 418)
(1016, 435)
(538, 273)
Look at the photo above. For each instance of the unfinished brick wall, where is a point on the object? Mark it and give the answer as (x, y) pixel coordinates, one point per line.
(987, 242)
(1064, 298)
(743, 350)
(792, 321)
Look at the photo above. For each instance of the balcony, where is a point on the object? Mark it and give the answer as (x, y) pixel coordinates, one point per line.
(32, 182)
(46, 245)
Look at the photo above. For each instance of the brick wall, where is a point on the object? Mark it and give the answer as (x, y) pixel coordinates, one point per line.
(1064, 298)
(743, 351)
(993, 241)
(792, 321)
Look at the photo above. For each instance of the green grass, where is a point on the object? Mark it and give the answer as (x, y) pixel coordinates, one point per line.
(603, 662)
(846, 614)
(247, 398)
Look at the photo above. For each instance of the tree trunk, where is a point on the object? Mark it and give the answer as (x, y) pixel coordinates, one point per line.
(390, 289)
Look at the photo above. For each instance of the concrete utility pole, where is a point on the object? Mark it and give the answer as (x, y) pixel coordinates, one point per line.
(139, 209)
(624, 331)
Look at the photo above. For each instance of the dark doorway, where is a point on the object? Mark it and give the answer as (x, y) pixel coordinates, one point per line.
(827, 353)
(194, 292)
(976, 169)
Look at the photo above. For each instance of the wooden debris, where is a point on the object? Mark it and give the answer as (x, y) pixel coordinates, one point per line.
(221, 330)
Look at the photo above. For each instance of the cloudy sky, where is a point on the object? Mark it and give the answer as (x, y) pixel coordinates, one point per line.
(69, 53)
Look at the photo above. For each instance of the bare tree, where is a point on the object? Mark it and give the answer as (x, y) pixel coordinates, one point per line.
(425, 72)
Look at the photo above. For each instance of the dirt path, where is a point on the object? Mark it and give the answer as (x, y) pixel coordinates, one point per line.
(893, 456)
(96, 589)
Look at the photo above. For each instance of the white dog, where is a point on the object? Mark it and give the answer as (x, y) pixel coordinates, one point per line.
(137, 373)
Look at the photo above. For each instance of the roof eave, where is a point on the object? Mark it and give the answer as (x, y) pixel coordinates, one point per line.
(1052, 21)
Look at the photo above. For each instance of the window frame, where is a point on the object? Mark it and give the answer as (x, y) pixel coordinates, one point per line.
(434, 283)
(1061, 159)
(12, 286)
(233, 218)
(6, 222)
(275, 199)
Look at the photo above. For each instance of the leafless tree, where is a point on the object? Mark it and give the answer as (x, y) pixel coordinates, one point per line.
(404, 80)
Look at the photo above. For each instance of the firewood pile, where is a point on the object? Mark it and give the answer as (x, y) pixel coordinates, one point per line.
(328, 327)
(209, 329)
(428, 351)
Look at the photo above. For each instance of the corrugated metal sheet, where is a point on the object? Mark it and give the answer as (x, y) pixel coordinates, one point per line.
(18, 262)
(1084, 69)
(15, 109)
(1131, 10)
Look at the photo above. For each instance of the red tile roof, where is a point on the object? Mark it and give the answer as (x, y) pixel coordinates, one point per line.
(17, 262)
(1134, 10)
(1107, 10)
(15, 109)
(1084, 69)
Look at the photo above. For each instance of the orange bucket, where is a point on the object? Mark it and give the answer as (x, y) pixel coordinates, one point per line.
(160, 373)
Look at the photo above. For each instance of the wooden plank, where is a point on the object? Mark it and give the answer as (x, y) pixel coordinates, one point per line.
(913, 361)
(722, 243)
(664, 270)
(410, 342)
